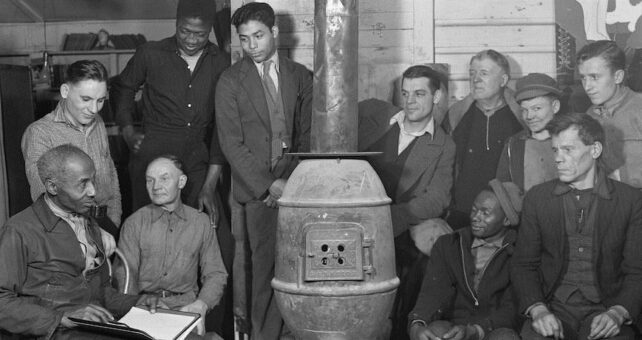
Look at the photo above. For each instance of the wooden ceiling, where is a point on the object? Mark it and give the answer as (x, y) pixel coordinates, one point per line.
(25, 11)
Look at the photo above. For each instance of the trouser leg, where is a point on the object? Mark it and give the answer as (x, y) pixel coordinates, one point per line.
(261, 225)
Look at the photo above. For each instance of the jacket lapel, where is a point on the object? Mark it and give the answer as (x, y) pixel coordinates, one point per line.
(288, 90)
(251, 82)
(424, 151)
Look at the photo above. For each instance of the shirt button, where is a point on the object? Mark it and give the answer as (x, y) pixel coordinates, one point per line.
(580, 249)
(190, 86)
(470, 150)
(189, 124)
(189, 105)
(171, 230)
(164, 274)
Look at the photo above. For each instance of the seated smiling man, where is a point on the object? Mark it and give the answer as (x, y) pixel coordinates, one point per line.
(52, 260)
(168, 244)
(466, 293)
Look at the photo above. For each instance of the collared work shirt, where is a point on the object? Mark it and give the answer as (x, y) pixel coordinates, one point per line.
(175, 100)
(405, 137)
(78, 224)
(482, 253)
(165, 251)
(55, 129)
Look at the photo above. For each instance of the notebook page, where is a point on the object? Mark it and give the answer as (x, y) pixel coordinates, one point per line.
(160, 325)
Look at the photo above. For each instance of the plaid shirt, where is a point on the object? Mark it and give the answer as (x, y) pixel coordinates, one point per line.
(55, 129)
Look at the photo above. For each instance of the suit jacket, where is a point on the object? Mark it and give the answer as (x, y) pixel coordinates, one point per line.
(539, 260)
(423, 191)
(243, 123)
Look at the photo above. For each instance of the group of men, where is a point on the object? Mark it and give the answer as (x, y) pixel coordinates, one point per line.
(475, 258)
(561, 263)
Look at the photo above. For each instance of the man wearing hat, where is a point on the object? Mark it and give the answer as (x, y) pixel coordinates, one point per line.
(466, 293)
(527, 159)
(576, 270)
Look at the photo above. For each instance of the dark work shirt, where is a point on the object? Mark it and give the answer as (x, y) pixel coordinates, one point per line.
(480, 141)
(175, 101)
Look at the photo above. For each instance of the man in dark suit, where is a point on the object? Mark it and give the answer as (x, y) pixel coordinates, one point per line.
(577, 271)
(262, 112)
(416, 167)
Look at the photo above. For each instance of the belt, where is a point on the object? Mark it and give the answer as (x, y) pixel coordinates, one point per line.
(163, 293)
(98, 211)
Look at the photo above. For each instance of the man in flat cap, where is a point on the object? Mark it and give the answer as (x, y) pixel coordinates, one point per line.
(527, 159)
(577, 270)
(466, 292)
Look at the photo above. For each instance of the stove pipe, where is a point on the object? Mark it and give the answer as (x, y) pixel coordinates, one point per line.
(336, 66)
(335, 260)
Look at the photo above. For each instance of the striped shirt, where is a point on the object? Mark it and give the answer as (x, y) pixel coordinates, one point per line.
(55, 129)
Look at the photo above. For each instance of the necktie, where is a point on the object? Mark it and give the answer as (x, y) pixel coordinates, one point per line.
(268, 82)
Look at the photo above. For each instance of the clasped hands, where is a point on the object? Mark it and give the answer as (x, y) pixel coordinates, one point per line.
(456, 332)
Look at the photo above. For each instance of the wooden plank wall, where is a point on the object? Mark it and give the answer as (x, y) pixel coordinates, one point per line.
(523, 30)
(393, 34)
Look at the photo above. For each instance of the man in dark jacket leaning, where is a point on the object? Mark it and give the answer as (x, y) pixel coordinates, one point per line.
(466, 293)
(577, 270)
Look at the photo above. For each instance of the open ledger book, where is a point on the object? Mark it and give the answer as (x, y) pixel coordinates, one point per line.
(139, 323)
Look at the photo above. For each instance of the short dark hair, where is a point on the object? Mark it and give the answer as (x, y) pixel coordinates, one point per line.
(588, 128)
(200, 9)
(257, 11)
(423, 71)
(86, 70)
(495, 56)
(52, 165)
(608, 50)
(178, 163)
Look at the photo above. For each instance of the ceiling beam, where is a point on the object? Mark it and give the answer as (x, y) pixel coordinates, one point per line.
(29, 10)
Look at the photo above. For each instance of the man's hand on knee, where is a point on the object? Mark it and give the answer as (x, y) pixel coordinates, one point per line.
(546, 323)
(605, 325)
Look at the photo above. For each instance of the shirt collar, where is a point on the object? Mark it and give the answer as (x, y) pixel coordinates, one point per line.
(600, 189)
(158, 212)
(60, 212)
(171, 44)
(61, 116)
(609, 107)
(401, 116)
(478, 242)
(275, 61)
